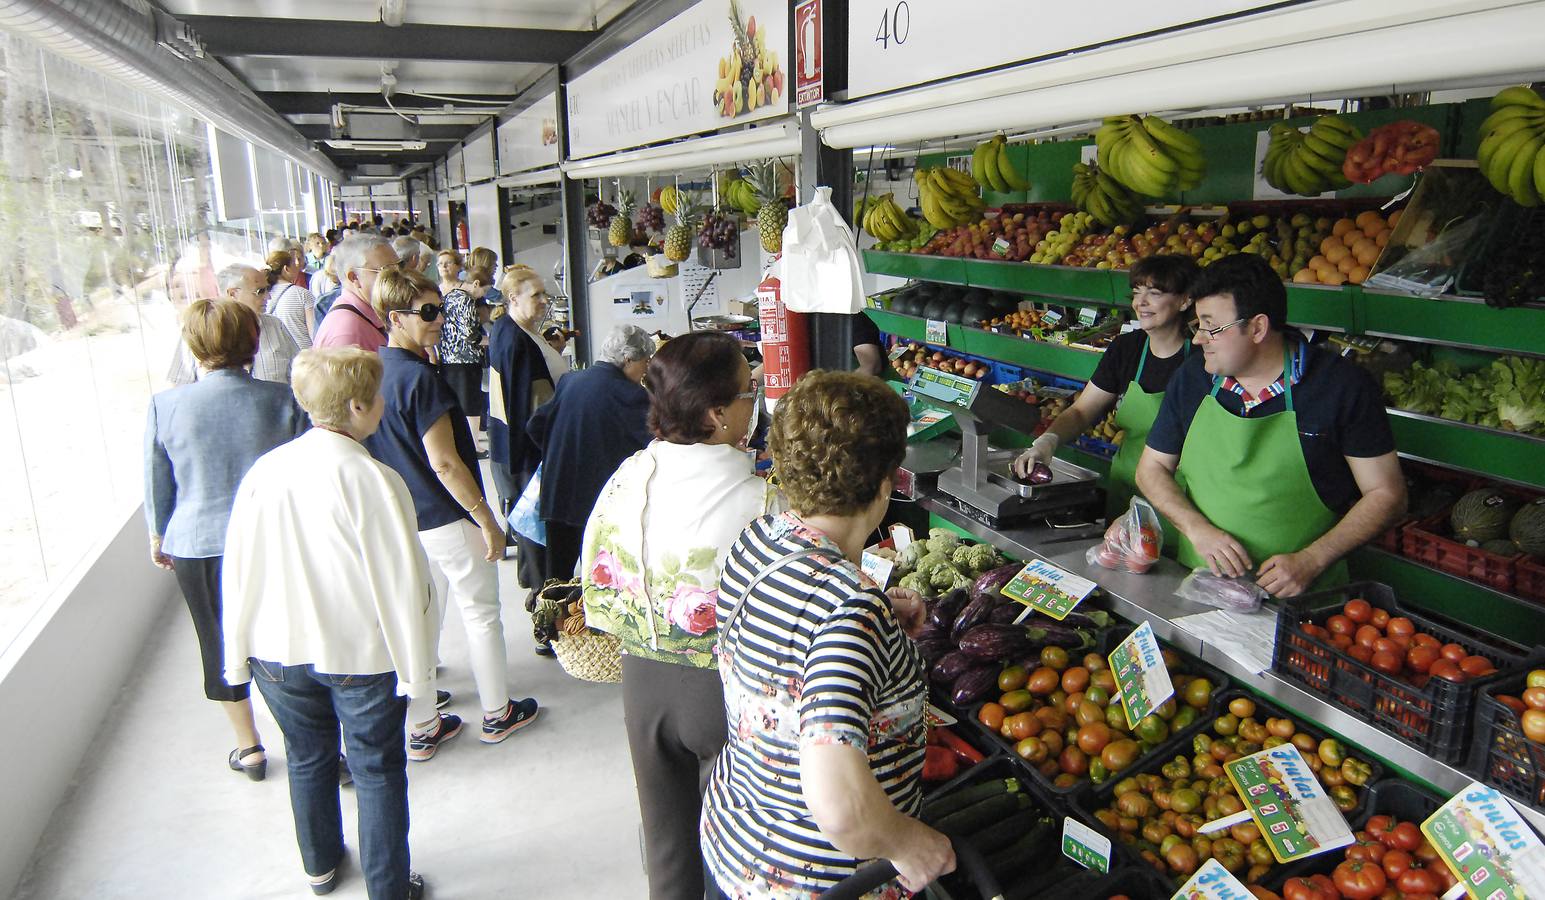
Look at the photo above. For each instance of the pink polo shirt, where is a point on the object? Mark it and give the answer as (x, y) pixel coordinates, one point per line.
(342, 327)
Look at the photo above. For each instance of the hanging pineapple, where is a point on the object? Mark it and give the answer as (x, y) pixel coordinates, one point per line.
(772, 215)
(678, 238)
(620, 232)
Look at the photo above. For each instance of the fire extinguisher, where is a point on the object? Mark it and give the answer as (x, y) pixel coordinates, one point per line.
(785, 341)
(463, 241)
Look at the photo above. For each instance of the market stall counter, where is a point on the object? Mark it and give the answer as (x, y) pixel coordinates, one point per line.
(1151, 598)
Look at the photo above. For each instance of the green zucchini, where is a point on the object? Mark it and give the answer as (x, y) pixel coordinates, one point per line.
(982, 814)
(1037, 844)
(1001, 834)
(958, 800)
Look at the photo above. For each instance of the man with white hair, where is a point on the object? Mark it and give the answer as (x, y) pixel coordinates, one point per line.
(276, 349)
(408, 251)
(352, 321)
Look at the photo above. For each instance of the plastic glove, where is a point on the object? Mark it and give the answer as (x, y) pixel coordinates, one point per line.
(1041, 451)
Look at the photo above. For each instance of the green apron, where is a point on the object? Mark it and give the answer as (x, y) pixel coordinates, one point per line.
(1249, 478)
(1134, 415)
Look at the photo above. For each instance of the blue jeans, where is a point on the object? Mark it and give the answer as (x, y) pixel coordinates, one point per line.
(310, 707)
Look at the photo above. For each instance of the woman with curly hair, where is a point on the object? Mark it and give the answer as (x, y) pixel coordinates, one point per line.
(823, 689)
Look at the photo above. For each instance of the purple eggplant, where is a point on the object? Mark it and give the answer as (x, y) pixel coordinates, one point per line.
(942, 612)
(974, 685)
(1059, 635)
(1006, 612)
(991, 581)
(933, 650)
(995, 642)
(950, 667)
(976, 613)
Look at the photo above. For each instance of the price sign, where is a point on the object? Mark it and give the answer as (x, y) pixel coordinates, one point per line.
(1087, 316)
(877, 567)
(1212, 882)
(1141, 677)
(898, 351)
(1045, 588)
(1085, 846)
(901, 536)
(937, 332)
(1488, 846)
(1051, 317)
(1288, 803)
(1001, 246)
(943, 386)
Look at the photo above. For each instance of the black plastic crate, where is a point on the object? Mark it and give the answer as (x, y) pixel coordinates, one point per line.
(1500, 755)
(1392, 797)
(1435, 718)
(973, 736)
(1138, 882)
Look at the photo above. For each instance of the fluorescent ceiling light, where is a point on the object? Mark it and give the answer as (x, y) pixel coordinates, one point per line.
(1299, 54)
(375, 145)
(779, 139)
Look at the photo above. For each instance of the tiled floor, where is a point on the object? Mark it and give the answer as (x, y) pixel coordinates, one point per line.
(550, 813)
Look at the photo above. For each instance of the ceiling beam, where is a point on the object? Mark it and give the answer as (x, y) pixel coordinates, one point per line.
(430, 133)
(298, 102)
(347, 160)
(274, 36)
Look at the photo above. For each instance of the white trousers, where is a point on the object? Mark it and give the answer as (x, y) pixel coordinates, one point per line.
(460, 573)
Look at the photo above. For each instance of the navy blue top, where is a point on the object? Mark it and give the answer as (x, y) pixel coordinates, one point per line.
(597, 419)
(416, 397)
(325, 303)
(1340, 414)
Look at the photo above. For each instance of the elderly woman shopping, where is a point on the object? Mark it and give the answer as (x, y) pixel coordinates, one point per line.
(823, 689)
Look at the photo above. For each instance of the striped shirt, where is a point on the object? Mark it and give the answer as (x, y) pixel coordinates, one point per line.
(815, 657)
(275, 351)
(289, 304)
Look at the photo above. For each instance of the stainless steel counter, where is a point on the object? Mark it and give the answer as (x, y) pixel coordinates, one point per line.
(1151, 598)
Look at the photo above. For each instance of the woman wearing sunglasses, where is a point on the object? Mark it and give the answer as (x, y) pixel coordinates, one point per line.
(424, 436)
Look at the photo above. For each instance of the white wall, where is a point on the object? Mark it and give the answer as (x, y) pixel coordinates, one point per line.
(61, 677)
(483, 226)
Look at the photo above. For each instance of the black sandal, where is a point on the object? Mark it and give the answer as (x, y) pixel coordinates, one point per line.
(257, 771)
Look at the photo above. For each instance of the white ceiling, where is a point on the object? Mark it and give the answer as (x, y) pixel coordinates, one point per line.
(572, 15)
(342, 75)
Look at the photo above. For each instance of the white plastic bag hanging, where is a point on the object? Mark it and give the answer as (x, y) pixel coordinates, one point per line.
(820, 270)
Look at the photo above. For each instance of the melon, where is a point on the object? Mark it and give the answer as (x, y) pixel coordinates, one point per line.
(1482, 515)
(1501, 547)
(1528, 528)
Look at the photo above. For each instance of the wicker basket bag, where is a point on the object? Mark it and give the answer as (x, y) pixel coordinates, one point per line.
(584, 653)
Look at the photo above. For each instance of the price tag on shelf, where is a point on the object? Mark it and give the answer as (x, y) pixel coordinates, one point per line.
(1487, 845)
(1212, 882)
(1044, 588)
(1087, 316)
(898, 351)
(1050, 318)
(1085, 846)
(943, 386)
(1289, 805)
(937, 332)
(1141, 676)
(1001, 246)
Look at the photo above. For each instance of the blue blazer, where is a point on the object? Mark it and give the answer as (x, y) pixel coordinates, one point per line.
(200, 440)
(597, 419)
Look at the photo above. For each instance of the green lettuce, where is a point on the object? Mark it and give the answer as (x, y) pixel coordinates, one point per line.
(1518, 386)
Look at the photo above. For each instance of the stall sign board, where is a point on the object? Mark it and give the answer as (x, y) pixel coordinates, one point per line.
(676, 80)
(1488, 845)
(1044, 588)
(1085, 846)
(945, 387)
(1289, 805)
(1141, 677)
(1212, 882)
(899, 43)
(529, 140)
(809, 82)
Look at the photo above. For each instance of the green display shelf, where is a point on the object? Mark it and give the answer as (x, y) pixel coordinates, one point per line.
(1457, 321)
(909, 327)
(1457, 598)
(1485, 451)
(1322, 307)
(1046, 281)
(1069, 362)
(948, 270)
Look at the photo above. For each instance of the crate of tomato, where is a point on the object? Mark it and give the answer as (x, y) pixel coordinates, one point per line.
(1409, 674)
(1509, 747)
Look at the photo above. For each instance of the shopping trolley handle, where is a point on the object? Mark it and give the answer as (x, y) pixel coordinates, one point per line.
(968, 860)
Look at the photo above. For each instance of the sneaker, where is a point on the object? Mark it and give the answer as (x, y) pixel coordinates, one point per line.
(423, 745)
(515, 717)
(545, 648)
(415, 886)
(442, 698)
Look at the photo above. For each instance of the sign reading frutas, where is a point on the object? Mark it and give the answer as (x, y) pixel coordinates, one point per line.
(1212, 882)
(1141, 676)
(936, 331)
(1289, 805)
(1488, 845)
(1047, 589)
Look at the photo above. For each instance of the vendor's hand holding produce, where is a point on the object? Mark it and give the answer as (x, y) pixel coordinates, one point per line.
(1132, 541)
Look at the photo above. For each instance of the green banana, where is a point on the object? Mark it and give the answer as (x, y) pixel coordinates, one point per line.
(1336, 131)
(1498, 163)
(991, 179)
(1326, 151)
(1520, 182)
(979, 163)
(1499, 136)
(1183, 143)
(1539, 173)
(1516, 111)
(1519, 95)
(1011, 177)
(1148, 150)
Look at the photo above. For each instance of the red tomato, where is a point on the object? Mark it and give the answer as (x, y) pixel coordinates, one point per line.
(1386, 661)
(1406, 836)
(1476, 666)
(1380, 828)
(1423, 639)
(1344, 642)
(1339, 624)
(1388, 645)
(1421, 657)
(1447, 668)
(1401, 625)
(1359, 880)
(1418, 881)
(1367, 634)
(1454, 652)
(1369, 850)
(1360, 653)
(1358, 610)
(1314, 887)
(1396, 862)
(1379, 619)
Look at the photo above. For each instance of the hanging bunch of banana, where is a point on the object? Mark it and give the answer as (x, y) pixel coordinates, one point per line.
(1104, 197)
(1149, 155)
(1309, 163)
(948, 197)
(991, 167)
(887, 221)
(1512, 149)
(669, 198)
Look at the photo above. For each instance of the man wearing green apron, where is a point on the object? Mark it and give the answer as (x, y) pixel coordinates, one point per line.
(1131, 376)
(1271, 457)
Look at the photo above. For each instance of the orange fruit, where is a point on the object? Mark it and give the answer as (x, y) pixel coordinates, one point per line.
(1394, 217)
(1305, 276)
(1347, 264)
(1382, 238)
(1336, 253)
(1332, 277)
(1365, 217)
(1329, 243)
(1342, 226)
(1358, 275)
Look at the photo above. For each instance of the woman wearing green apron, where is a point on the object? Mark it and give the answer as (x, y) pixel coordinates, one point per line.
(1131, 375)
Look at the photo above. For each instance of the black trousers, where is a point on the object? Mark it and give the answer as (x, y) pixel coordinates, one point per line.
(563, 546)
(200, 583)
(530, 561)
(675, 723)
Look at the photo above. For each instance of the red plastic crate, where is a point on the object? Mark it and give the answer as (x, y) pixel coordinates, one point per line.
(1530, 583)
(1425, 542)
(1390, 540)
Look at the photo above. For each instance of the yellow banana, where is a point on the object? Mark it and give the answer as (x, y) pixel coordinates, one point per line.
(1181, 144)
(1010, 175)
(1520, 182)
(931, 211)
(1497, 164)
(1518, 95)
(1148, 150)
(994, 180)
(979, 164)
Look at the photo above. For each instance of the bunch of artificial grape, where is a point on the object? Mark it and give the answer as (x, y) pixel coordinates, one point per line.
(719, 232)
(600, 213)
(650, 218)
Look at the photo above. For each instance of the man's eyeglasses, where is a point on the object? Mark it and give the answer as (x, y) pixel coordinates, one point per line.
(428, 312)
(1214, 332)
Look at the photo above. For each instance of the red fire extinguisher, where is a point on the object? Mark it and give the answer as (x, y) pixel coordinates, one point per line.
(462, 240)
(785, 340)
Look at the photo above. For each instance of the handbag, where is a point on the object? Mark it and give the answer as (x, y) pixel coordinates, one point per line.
(525, 518)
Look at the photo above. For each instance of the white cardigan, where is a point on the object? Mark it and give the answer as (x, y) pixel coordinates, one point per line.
(323, 566)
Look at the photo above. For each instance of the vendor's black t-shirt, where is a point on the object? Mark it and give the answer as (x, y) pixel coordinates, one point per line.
(1340, 414)
(1118, 365)
(865, 331)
